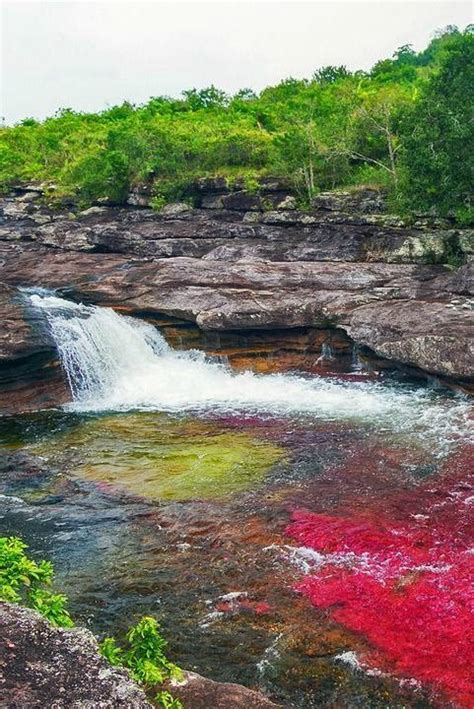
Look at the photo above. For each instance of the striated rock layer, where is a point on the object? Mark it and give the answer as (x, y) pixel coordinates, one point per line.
(30, 375)
(282, 279)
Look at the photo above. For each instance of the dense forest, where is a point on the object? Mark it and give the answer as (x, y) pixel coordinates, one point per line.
(407, 125)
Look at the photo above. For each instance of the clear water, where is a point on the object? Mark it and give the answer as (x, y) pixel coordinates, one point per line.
(116, 363)
(167, 485)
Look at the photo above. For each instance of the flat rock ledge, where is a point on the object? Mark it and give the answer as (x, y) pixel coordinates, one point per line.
(230, 270)
(45, 667)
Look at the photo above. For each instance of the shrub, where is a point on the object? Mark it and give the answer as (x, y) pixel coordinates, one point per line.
(24, 581)
(144, 655)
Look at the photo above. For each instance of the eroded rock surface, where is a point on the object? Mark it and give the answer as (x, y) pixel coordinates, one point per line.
(197, 692)
(43, 666)
(346, 266)
(30, 376)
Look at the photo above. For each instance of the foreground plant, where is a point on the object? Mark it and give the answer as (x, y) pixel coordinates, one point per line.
(26, 582)
(144, 655)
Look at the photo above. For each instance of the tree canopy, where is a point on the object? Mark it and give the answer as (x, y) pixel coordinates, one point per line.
(407, 125)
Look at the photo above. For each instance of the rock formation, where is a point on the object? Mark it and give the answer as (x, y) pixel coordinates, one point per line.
(345, 268)
(43, 666)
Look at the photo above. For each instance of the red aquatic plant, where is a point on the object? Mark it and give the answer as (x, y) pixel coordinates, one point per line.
(406, 585)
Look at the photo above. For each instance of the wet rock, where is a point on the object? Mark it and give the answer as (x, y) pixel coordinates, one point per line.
(382, 306)
(345, 265)
(425, 335)
(197, 692)
(43, 666)
(30, 376)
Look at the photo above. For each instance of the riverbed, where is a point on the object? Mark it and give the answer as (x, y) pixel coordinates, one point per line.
(305, 535)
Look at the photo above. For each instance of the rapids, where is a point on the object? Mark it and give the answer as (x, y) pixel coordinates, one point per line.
(117, 363)
(307, 536)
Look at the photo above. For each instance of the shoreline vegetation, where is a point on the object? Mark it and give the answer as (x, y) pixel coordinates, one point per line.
(406, 126)
(26, 582)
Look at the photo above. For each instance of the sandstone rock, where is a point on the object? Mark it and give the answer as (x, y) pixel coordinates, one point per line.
(92, 211)
(366, 300)
(30, 376)
(40, 218)
(14, 209)
(43, 666)
(29, 196)
(197, 692)
(212, 201)
(242, 201)
(141, 195)
(229, 234)
(357, 200)
(466, 241)
(208, 185)
(175, 209)
(288, 202)
(461, 280)
(418, 333)
(136, 199)
(228, 270)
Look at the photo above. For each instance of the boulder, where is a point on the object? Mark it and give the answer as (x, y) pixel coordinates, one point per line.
(288, 202)
(197, 692)
(175, 209)
(43, 666)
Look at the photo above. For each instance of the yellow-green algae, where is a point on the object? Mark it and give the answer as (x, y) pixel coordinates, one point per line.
(162, 458)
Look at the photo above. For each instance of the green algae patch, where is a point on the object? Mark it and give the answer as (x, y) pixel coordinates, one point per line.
(162, 458)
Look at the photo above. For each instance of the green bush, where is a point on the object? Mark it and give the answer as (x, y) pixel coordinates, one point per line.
(144, 655)
(24, 581)
(406, 124)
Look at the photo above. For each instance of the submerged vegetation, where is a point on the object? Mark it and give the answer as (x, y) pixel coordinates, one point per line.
(165, 459)
(24, 581)
(406, 124)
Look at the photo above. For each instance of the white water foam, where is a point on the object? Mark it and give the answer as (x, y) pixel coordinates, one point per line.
(114, 362)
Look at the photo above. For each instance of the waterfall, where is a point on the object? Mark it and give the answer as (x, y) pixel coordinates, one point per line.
(356, 362)
(97, 346)
(326, 353)
(114, 362)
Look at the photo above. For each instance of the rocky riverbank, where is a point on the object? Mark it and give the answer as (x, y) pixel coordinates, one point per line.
(242, 275)
(42, 665)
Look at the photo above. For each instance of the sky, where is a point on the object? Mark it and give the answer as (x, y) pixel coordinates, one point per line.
(90, 55)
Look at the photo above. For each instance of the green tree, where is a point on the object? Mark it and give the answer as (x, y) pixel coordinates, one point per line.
(438, 134)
